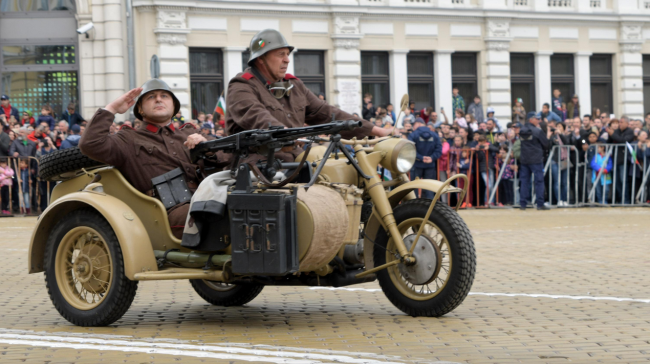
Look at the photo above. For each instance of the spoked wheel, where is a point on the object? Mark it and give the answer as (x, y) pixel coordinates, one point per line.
(445, 264)
(84, 271)
(225, 294)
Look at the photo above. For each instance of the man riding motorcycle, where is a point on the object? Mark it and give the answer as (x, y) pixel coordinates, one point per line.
(265, 95)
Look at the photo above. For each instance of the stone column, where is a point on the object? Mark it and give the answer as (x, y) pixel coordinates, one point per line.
(347, 63)
(543, 93)
(232, 63)
(399, 84)
(86, 76)
(171, 34)
(631, 71)
(99, 53)
(582, 69)
(114, 52)
(442, 84)
(497, 58)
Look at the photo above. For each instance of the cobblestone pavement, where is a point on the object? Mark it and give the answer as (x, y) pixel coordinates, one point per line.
(551, 287)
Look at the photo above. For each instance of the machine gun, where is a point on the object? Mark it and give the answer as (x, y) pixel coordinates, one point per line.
(267, 142)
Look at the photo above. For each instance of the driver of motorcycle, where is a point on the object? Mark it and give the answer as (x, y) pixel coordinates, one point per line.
(152, 150)
(266, 95)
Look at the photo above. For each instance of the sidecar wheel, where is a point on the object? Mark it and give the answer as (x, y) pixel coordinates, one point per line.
(224, 294)
(446, 260)
(84, 270)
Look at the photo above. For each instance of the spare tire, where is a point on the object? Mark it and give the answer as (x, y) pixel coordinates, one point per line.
(65, 164)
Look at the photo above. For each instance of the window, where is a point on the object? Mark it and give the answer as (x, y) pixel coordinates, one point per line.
(563, 76)
(602, 97)
(30, 90)
(245, 56)
(310, 68)
(206, 79)
(36, 75)
(374, 77)
(522, 79)
(646, 83)
(420, 79)
(24, 6)
(464, 76)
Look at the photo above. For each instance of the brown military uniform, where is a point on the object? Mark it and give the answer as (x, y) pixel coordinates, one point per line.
(252, 106)
(143, 154)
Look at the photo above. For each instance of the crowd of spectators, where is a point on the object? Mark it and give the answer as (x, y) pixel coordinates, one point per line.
(476, 144)
(473, 142)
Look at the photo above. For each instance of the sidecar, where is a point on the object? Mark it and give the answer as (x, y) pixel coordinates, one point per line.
(100, 236)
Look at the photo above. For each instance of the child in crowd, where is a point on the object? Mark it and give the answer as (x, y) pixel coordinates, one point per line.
(460, 118)
(47, 117)
(507, 185)
(599, 163)
(6, 174)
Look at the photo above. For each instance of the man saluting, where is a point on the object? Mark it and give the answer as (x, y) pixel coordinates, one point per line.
(266, 95)
(152, 150)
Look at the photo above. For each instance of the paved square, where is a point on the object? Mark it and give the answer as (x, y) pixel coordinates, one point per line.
(561, 286)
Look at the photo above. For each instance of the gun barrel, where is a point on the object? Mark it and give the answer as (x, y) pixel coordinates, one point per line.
(252, 138)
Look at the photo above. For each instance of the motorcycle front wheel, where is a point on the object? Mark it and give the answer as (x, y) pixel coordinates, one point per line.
(445, 264)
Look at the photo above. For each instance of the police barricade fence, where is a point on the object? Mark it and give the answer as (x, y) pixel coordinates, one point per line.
(26, 194)
(570, 175)
(483, 190)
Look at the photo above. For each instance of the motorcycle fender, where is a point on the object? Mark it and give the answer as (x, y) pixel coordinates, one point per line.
(404, 192)
(137, 251)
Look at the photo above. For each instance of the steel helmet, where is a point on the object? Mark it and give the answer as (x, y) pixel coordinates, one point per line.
(266, 40)
(153, 85)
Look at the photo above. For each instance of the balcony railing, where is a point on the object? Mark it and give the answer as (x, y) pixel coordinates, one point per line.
(560, 4)
(521, 2)
(595, 4)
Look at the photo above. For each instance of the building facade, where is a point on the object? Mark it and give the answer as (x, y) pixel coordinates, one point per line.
(498, 49)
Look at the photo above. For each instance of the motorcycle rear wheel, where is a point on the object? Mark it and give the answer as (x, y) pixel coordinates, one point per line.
(224, 294)
(443, 275)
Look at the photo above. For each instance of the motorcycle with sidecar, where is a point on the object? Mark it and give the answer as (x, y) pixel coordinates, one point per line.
(329, 220)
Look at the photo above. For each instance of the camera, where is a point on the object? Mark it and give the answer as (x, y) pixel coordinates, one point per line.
(85, 29)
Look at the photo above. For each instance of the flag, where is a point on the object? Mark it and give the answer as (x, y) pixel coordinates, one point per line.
(221, 106)
(632, 153)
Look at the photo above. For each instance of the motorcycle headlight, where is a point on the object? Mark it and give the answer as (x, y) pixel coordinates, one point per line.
(399, 154)
(405, 157)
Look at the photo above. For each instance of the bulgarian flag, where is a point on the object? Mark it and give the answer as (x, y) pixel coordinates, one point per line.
(632, 153)
(221, 106)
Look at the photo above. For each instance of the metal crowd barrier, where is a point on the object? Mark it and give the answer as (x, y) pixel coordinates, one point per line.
(568, 177)
(30, 195)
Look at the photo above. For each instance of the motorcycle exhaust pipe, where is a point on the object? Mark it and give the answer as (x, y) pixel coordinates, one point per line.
(191, 259)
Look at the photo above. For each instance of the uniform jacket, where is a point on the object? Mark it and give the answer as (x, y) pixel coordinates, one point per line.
(427, 144)
(533, 144)
(140, 154)
(251, 106)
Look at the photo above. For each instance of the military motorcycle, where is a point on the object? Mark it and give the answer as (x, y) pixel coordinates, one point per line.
(329, 220)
